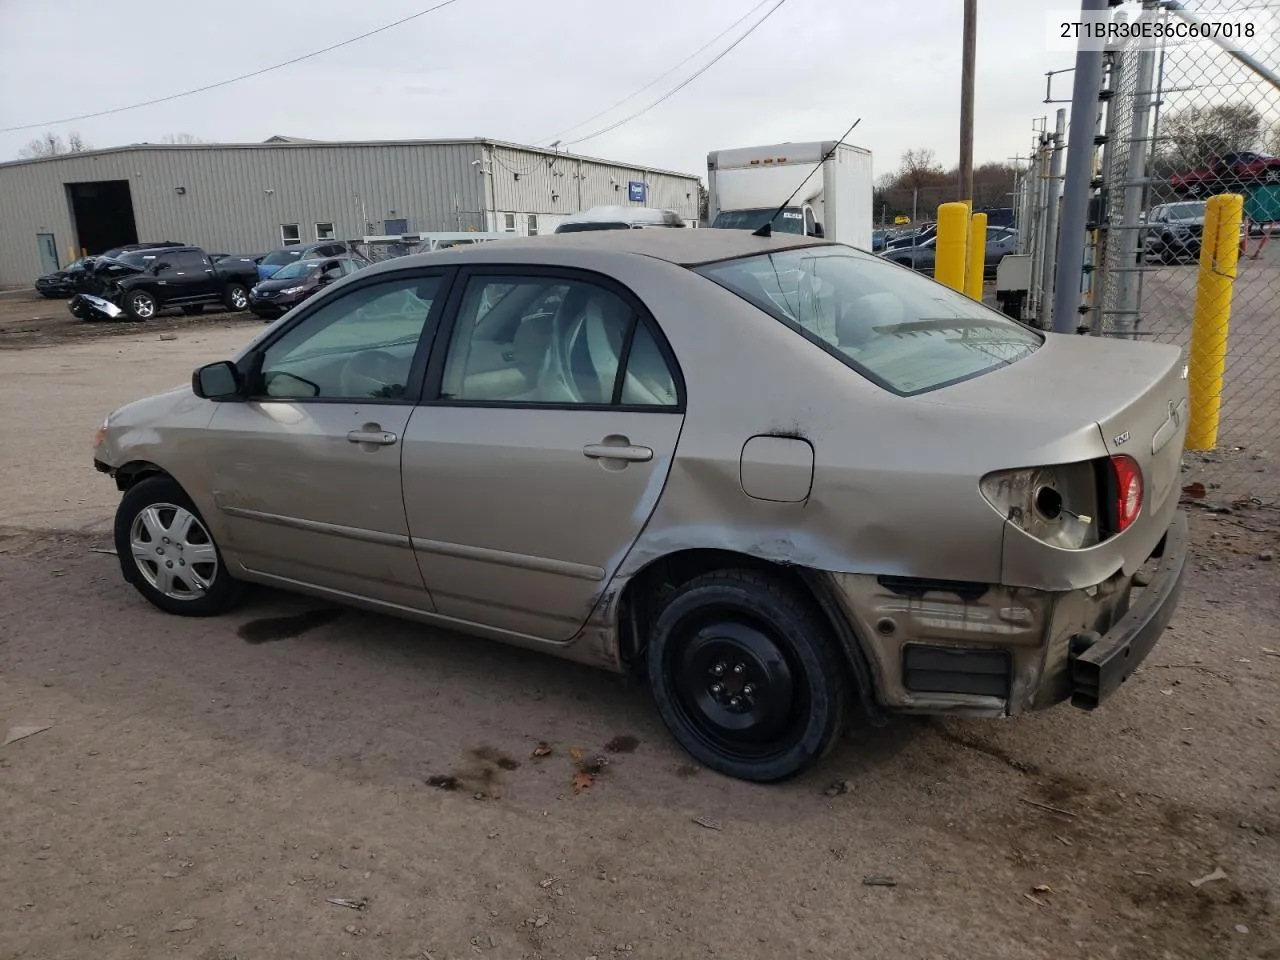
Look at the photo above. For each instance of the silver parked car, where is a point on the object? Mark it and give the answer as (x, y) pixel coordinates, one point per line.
(783, 479)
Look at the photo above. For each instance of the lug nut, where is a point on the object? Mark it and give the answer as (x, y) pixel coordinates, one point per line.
(748, 690)
(739, 669)
(735, 701)
(717, 688)
(718, 670)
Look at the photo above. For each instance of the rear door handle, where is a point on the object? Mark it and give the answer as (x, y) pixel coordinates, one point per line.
(383, 438)
(609, 451)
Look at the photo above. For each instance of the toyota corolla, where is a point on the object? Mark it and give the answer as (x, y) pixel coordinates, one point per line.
(784, 480)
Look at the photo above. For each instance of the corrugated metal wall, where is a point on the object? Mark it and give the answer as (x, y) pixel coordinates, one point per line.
(238, 196)
(553, 187)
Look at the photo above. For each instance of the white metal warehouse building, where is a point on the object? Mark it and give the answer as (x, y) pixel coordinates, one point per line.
(254, 197)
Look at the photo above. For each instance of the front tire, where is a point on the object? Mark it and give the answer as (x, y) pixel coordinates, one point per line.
(140, 305)
(237, 297)
(168, 554)
(747, 676)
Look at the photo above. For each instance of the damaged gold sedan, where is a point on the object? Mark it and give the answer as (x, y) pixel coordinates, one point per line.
(784, 480)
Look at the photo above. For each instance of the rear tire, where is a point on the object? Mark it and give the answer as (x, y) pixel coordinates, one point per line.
(193, 310)
(167, 552)
(236, 297)
(747, 676)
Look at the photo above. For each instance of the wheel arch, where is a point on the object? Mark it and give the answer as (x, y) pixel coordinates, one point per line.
(643, 595)
(135, 471)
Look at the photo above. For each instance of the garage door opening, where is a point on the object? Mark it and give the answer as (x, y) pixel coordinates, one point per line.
(102, 211)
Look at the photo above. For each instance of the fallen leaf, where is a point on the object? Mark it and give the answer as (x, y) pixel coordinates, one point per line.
(708, 823)
(542, 750)
(575, 752)
(1042, 888)
(1195, 491)
(582, 780)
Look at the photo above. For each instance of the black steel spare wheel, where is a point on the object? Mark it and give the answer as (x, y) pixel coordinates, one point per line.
(747, 676)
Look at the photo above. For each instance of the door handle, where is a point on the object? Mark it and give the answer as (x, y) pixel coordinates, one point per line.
(383, 438)
(611, 451)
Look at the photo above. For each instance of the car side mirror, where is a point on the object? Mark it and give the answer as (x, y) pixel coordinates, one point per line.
(218, 381)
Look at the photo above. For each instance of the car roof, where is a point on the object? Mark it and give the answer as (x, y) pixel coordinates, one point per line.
(687, 248)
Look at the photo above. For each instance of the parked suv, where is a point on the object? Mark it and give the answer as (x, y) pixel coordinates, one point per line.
(144, 282)
(276, 259)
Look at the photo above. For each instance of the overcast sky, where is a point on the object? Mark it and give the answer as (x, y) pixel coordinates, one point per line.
(524, 70)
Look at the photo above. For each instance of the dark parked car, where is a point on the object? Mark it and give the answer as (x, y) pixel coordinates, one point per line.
(276, 259)
(144, 282)
(295, 282)
(62, 283)
(255, 258)
(1000, 242)
(912, 238)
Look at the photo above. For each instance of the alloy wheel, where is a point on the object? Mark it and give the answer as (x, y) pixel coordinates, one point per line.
(144, 306)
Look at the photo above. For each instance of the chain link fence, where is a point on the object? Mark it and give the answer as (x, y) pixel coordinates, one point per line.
(1183, 123)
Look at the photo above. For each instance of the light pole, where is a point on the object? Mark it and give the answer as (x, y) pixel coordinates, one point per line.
(970, 41)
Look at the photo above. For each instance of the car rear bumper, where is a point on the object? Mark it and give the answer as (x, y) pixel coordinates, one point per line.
(1100, 663)
(983, 649)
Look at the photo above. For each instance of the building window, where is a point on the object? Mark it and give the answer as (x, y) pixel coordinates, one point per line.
(533, 224)
(289, 234)
(324, 231)
(509, 222)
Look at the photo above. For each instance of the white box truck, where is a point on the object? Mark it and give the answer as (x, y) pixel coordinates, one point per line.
(745, 186)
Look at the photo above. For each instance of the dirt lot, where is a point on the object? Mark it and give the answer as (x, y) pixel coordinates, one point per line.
(205, 788)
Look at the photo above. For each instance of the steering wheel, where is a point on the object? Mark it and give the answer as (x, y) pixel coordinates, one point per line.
(371, 373)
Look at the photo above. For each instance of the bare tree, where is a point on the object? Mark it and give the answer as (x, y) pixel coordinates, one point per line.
(919, 168)
(53, 145)
(181, 138)
(1191, 137)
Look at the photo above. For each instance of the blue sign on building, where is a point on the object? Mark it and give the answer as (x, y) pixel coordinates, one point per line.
(635, 191)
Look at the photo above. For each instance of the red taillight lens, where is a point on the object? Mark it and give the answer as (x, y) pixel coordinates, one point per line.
(1128, 491)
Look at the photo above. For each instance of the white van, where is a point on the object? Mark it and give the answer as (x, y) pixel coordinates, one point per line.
(619, 218)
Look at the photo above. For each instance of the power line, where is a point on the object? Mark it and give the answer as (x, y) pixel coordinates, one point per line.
(684, 83)
(654, 81)
(224, 83)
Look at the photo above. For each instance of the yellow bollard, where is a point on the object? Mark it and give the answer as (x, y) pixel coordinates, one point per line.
(1207, 360)
(977, 256)
(951, 245)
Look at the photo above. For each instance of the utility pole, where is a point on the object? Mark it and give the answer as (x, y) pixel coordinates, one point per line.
(1075, 189)
(966, 98)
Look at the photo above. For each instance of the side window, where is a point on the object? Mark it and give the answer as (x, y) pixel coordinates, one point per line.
(289, 234)
(550, 340)
(324, 231)
(187, 261)
(357, 347)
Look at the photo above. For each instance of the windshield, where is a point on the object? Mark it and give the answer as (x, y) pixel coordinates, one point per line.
(280, 256)
(299, 268)
(1185, 211)
(905, 333)
(790, 220)
(135, 258)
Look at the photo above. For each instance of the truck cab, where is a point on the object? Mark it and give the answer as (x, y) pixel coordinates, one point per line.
(800, 220)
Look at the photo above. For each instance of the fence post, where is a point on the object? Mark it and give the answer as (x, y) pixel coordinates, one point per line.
(1052, 242)
(1207, 360)
(951, 244)
(977, 256)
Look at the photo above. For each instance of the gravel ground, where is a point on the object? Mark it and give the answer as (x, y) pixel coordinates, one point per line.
(205, 788)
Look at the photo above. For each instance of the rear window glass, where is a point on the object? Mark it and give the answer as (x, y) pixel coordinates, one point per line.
(902, 331)
(280, 256)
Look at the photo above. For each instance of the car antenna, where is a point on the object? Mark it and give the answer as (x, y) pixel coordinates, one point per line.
(766, 229)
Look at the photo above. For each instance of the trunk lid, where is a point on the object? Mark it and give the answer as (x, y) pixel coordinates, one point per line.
(1135, 392)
